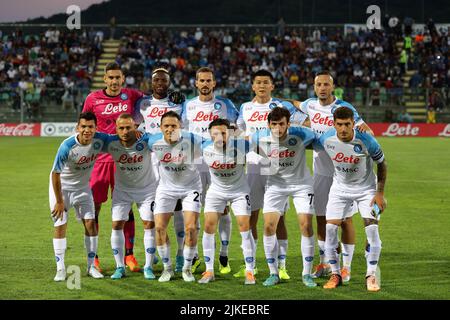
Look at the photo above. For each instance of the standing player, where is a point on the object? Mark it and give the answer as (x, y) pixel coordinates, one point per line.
(198, 113)
(352, 154)
(107, 105)
(179, 180)
(135, 182)
(252, 118)
(149, 111)
(69, 187)
(284, 147)
(225, 158)
(320, 112)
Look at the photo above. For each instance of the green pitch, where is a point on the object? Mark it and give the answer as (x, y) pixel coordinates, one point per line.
(414, 262)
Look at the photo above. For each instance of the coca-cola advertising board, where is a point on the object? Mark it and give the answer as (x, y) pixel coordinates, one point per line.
(411, 129)
(20, 129)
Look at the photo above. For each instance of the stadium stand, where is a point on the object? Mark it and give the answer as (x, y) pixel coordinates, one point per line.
(52, 71)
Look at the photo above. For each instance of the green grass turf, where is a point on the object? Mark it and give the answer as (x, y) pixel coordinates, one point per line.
(414, 262)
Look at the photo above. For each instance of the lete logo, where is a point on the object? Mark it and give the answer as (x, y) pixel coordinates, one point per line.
(110, 108)
(340, 157)
(445, 132)
(396, 129)
(156, 112)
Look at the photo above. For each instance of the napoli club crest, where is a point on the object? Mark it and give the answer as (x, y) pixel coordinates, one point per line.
(139, 147)
(357, 148)
(272, 106)
(217, 106)
(292, 141)
(124, 96)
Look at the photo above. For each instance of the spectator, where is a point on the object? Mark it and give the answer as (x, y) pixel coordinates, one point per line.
(404, 116)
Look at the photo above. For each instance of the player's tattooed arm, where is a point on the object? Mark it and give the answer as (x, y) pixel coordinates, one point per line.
(365, 128)
(58, 210)
(381, 177)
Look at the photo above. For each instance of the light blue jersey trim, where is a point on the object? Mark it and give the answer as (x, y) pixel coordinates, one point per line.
(63, 154)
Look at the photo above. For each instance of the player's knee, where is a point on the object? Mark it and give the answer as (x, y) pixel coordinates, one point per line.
(190, 231)
(161, 231)
(89, 225)
(368, 222)
(148, 224)
(270, 228)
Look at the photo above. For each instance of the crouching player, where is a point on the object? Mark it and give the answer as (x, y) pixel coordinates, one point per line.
(352, 154)
(225, 158)
(135, 182)
(69, 187)
(284, 147)
(179, 180)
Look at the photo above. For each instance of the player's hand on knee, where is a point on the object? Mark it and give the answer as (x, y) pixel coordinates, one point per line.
(379, 200)
(58, 211)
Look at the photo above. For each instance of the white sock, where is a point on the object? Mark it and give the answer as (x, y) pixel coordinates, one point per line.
(188, 254)
(282, 251)
(149, 245)
(256, 246)
(347, 254)
(117, 245)
(209, 248)
(60, 246)
(271, 252)
(91, 244)
(225, 233)
(248, 249)
(321, 251)
(331, 243)
(373, 256)
(307, 249)
(178, 225)
(164, 253)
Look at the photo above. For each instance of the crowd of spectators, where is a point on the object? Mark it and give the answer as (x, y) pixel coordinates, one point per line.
(51, 65)
(360, 60)
(368, 66)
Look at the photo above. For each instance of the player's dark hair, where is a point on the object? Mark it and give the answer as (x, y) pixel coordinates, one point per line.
(88, 116)
(113, 66)
(205, 70)
(171, 114)
(278, 113)
(220, 122)
(324, 73)
(343, 113)
(262, 73)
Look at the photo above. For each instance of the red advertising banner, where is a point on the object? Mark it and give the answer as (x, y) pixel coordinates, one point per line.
(410, 129)
(20, 129)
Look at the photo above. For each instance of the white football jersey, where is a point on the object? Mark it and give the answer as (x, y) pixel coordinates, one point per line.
(150, 110)
(352, 161)
(197, 115)
(134, 169)
(253, 115)
(177, 162)
(75, 161)
(321, 118)
(287, 157)
(227, 167)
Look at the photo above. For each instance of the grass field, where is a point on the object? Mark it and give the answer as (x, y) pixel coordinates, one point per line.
(414, 262)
